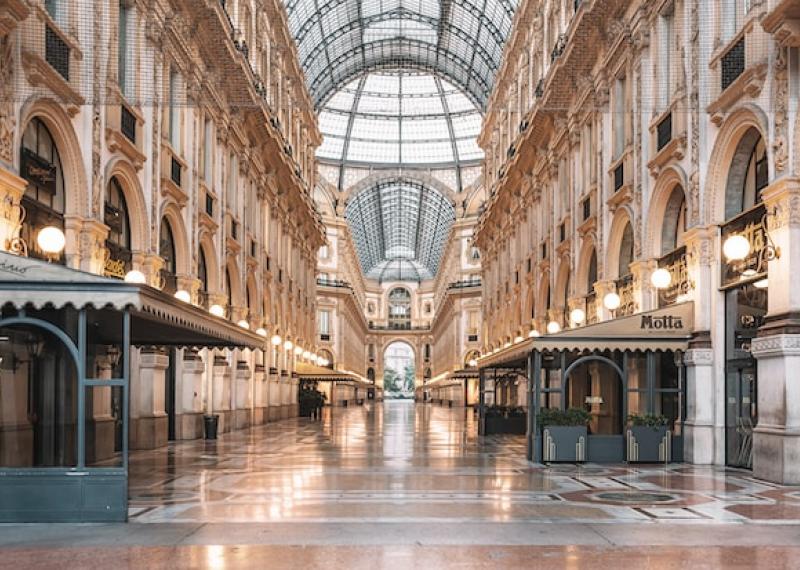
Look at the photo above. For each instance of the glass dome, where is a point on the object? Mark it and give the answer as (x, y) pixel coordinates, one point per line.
(400, 118)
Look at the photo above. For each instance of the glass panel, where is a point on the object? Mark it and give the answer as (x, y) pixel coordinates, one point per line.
(103, 424)
(595, 386)
(38, 400)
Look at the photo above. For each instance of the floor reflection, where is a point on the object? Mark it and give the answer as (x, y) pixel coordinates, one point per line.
(399, 461)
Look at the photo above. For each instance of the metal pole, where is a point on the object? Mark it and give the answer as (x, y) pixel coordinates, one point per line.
(537, 377)
(81, 420)
(481, 400)
(531, 427)
(126, 387)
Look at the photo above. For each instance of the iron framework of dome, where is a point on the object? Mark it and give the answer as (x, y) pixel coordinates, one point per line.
(400, 118)
(399, 227)
(339, 40)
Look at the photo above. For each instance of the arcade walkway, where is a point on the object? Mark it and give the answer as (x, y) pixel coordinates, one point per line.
(399, 485)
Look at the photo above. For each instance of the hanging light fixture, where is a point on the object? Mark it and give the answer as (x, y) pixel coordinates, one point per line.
(533, 333)
(261, 331)
(276, 340)
(217, 310)
(661, 278)
(287, 345)
(578, 316)
(244, 324)
(736, 248)
(553, 327)
(135, 276)
(183, 295)
(518, 339)
(298, 350)
(612, 301)
(51, 240)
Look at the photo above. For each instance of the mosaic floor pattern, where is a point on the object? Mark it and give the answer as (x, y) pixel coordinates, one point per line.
(401, 462)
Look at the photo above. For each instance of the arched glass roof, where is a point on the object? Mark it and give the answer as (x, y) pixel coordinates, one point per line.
(399, 227)
(339, 40)
(400, 118)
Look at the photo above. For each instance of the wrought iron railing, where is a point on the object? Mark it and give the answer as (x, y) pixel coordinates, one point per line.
(732, 64)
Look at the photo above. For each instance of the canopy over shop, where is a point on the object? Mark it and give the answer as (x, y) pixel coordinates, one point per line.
(65, 339)
(626, 368)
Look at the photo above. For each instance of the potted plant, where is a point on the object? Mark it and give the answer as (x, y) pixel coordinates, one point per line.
(648, 439)
(564, 434)
(504, 420)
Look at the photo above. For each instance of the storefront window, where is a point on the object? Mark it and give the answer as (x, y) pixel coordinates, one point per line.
(38, 400)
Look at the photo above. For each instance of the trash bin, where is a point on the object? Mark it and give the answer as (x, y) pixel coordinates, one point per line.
(211, 423)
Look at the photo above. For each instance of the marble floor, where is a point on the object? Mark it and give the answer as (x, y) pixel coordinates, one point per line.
(404, 463)
(404, 485)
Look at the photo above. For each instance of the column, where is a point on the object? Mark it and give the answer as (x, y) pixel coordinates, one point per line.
(603, 288)
(704, 437)
(221, 392)
(148, 423)
(294, 385)
(242, 395)
(273, 391)
(776, 438)
(189, 404)
(643, 290)
(285, 394)
(100, 431)
(11, 190)
(260, 395)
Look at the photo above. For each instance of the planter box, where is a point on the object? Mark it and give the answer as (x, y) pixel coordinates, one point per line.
(649, 444)
(505, 425)
(564, 443)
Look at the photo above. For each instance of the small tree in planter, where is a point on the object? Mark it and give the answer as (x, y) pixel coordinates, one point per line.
(648, 438)
(564, 434)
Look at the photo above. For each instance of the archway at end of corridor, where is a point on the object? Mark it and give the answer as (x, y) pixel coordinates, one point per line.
(399, 371)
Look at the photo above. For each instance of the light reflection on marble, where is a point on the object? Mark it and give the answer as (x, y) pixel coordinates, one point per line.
(406, 462)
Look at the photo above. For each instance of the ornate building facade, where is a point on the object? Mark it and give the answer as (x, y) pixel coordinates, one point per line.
(173, 143)
(625, 143)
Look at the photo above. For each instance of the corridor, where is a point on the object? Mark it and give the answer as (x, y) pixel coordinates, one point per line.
(400, 462)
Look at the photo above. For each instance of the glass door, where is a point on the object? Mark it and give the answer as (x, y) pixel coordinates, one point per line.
(745, 308)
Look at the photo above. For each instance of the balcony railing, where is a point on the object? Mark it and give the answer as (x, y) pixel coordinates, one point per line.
(465, 283)
(333, 283)
(561, 44)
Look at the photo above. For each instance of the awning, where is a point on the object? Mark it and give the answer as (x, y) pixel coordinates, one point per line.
(453, 377)
(156, 318)
(307, 371)
(668, 328)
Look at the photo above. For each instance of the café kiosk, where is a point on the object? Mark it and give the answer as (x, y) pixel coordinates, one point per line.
(629, 366)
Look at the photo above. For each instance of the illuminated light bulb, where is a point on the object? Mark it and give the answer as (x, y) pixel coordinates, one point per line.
(244, 324)
(472, 363)
(217, 310)
(298, 350)
(533, 333)
(306, 354)
(183, 295)
(578, 316)
(612, 301)
(135, 276)
(661, 278)
(553, 327)
(518, 339)
(761, 284)
(51, 240)
(261, 331)
(287, 345)
(736, 248)
(276, 340)
(507, 345)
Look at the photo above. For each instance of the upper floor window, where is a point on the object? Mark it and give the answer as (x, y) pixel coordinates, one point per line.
(207, 156)
(124, 38)
(40, 166)
(666, 29)
(619, 118)
(118, 241)
(174, 117)
(233, 183)
(166, 249)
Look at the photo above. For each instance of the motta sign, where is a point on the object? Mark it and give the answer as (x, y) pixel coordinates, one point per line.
(661, 323)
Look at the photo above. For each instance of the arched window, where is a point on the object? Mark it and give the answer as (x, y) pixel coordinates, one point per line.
(202, 275)
(166, 249)
(626, 251)
(399, 308)
(674, 221)
(748, 174)
(118, 241)
(229, 290)
(40, 166)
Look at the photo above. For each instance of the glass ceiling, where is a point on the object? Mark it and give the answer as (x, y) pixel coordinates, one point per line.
(399, 227)
(339, 40)
(400, 118)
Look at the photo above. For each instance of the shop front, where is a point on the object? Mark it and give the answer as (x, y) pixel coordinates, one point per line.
(607, 392)
(66, 341)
